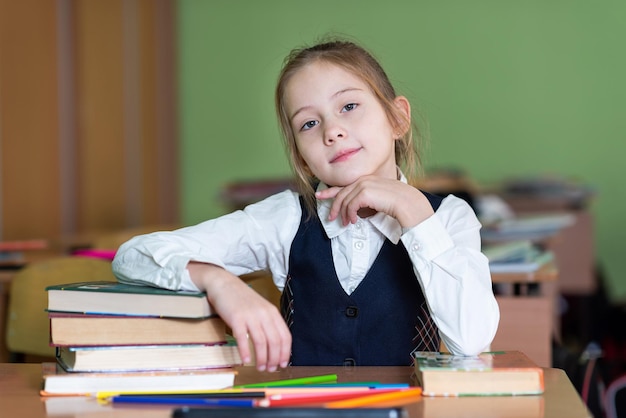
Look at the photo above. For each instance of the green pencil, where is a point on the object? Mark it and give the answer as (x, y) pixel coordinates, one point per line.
(301, 381)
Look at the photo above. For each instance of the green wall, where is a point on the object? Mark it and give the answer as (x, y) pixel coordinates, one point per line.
(506, 87)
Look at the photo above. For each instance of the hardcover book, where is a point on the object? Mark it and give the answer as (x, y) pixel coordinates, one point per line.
(152, 357)
(529, 406)
(114, 298)
(493, 373)
(516, 257)
(535, 227)
(57, 382)
(109, 330)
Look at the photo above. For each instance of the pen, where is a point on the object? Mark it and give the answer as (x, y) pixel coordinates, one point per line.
(377, 399)
(164, 400)
(288, 412)
(328, 378)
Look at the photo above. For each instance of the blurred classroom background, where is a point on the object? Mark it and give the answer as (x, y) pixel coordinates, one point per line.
(139, 114)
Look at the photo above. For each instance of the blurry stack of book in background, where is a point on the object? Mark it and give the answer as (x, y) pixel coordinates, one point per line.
(517, 256)
(546, 193)
(113, 337)
(12, 253)
(238, 194)
(536, 227)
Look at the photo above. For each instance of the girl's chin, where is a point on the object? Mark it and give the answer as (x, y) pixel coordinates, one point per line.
(343, 180)
(336, 183)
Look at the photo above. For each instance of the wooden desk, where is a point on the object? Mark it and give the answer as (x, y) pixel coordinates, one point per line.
(19, 396)
(528, 321)
(574, 251)
(574, 246)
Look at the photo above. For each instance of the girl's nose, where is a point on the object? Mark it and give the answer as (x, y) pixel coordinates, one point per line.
(334, 133)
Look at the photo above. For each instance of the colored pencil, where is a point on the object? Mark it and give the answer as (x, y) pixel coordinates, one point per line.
(347, 391)
(315, 398)
(371, 385)
(214, 395)
(377, 399)
(165, 400)
(300, 381)
(309, 390)
(208, 393)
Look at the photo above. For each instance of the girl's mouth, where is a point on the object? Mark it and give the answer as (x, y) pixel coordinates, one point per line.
(344, 155)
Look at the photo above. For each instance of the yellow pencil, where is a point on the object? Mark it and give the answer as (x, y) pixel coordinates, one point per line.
(268, 391)
(401, 394)
(105, 395)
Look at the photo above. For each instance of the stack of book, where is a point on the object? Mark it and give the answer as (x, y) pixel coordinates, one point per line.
(111, 336)
(12, 252)
(535, 227)
(517, 256)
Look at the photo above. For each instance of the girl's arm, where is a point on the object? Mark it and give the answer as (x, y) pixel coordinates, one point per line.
(257, 238)
(445, 250)
(248, 315)
(210, 256)
(455, 276)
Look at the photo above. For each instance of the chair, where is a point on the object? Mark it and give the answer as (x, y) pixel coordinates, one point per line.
(615, 398)
(28, 327)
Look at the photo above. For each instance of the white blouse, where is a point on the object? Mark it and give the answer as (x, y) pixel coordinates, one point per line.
(444, 249)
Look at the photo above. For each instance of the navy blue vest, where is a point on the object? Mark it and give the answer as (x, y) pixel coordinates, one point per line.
(380, 323)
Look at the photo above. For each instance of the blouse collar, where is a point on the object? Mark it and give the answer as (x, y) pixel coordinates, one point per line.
(385, 224)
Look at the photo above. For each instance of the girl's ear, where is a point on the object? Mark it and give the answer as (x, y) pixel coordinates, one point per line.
(404, 109)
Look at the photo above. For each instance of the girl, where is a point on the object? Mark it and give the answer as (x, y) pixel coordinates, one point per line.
(370, 268)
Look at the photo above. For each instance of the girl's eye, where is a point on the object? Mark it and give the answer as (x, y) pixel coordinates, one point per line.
(308, 125)
(349, 107)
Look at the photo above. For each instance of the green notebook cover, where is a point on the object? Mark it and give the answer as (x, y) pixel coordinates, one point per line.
(117, 287)
(115, 298)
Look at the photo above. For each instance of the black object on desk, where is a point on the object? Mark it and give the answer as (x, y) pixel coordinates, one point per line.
(289, 413)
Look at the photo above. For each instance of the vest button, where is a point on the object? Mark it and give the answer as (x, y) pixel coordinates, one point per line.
(349, 362)
(352, 311)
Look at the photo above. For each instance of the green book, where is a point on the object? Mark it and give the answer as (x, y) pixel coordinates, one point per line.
(516, 257)
(114, 298)
(501, 373)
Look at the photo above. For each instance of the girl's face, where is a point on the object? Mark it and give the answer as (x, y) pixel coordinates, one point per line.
(341, 130)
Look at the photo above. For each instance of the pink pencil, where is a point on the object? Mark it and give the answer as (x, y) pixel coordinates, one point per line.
(316, 398)
(303, 390)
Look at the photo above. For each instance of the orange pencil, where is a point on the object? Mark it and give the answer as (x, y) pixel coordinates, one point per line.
(378, 398)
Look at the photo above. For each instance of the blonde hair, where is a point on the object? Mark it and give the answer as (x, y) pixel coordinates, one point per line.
(356, 60)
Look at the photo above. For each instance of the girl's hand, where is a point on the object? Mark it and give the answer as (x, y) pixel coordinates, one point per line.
(248, 314)
(403, 202)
